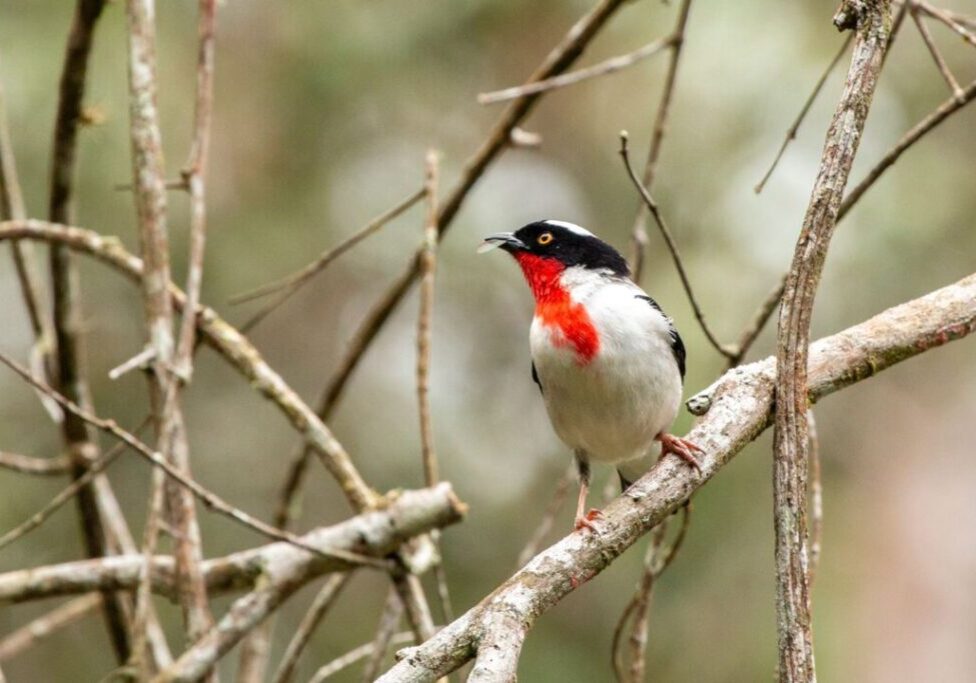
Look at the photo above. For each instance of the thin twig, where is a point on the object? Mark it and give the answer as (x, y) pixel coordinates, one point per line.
(941, 113)
(37, 630)
(428, 266)
(322, 603)
(26, 464)
(755, 326)
(795, 126)
(291, 284)
(672, 247)
(548, 518)
(603, 68)
(355, 655)
(210, 499)
(389, 619)
(12, 207)
(66, 494)
(295, 280)
(954, 21)
(940, 63)
(639, 230)
(656, 560)
(194, 174)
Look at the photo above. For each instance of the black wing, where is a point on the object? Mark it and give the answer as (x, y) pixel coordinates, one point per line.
(535, 378)
(677, 346)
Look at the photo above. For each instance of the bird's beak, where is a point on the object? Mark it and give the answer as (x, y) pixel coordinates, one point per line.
(506, 240)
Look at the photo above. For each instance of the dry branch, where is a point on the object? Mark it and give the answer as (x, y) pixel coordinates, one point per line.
(790, 436)
(737, 408)
(639, 230)
(604, 68)
(371, 534)
(69, 354)
(655, 211)
(26, 464)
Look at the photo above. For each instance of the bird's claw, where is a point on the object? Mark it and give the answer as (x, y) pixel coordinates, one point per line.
(588, 520)
(683, 448)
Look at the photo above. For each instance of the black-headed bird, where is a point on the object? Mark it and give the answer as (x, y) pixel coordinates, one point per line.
(608, 361)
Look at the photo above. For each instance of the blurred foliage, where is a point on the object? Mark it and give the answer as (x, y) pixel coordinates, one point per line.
(323, 113)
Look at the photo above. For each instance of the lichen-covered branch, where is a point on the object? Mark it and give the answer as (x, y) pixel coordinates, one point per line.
(790, 437)
(736, 409)
(372, 534)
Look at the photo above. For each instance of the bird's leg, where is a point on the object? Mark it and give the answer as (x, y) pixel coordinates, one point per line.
(683, 448)
(584, 520)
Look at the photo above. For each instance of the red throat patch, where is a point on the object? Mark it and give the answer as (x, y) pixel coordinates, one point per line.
(556, 309)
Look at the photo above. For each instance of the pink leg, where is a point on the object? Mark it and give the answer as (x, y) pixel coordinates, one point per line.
(585, 520)
(683, 448)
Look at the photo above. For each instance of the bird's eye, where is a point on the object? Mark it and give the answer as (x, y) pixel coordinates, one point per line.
(545, 238)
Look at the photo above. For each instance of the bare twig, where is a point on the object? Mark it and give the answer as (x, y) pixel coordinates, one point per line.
(355, 655)
(30, 635)
(639, 230)
(26, 464)
(294, 281)
(194, 174)
(604, 68)
(790, 436)
(757, 323)
(545, 524)
(389, 619)
(944, 110)
(428, 266)
(323, 601)
(210, 499)
(795, 126)
(672, 247)
(656, 560)
(739, 410)
(12, 207)
(954, 21)
(940, 63)
(66, 494)
(71, 375)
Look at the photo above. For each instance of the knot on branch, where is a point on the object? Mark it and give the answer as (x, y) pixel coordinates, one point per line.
(853, 13)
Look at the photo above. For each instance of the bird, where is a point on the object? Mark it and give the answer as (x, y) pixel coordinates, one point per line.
(608, 361)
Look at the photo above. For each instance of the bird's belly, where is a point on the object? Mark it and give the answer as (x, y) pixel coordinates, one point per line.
(610, 407)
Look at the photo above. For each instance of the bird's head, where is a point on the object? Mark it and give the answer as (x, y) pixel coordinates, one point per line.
(545, 249)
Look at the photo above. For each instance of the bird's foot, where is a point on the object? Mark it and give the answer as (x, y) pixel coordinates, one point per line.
(588, 520)
(683, 448)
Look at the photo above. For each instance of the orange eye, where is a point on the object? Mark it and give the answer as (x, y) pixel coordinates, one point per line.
(545, 238)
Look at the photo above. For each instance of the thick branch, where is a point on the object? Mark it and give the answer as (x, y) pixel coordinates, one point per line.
(373, 534)
(790, 438)
(736, 410)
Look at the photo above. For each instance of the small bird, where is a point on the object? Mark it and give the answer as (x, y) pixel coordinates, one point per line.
(608, 361)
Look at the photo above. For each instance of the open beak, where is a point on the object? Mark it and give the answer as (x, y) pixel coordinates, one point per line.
(506, 240)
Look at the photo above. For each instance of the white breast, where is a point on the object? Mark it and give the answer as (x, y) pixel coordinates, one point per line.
(613, 406)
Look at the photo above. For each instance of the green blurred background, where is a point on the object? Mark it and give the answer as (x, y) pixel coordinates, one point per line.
(323, 114)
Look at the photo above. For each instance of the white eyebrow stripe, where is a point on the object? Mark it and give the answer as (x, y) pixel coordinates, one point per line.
(572, 227)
